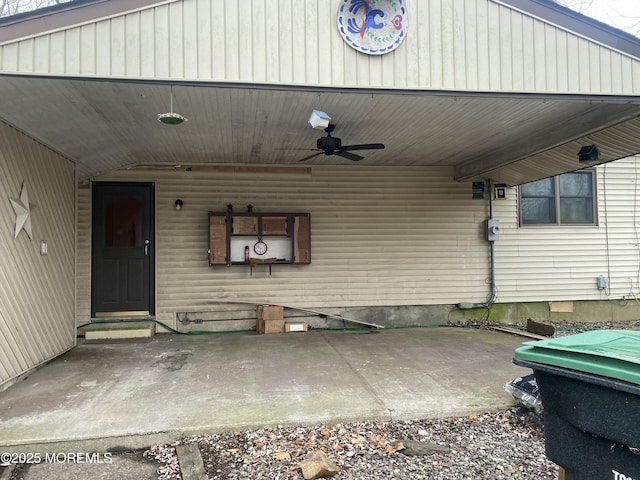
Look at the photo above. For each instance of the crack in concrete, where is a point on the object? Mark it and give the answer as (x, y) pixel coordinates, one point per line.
(358, 374)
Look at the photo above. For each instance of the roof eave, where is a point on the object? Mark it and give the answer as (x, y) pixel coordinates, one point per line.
(65, 15)
(580, 24)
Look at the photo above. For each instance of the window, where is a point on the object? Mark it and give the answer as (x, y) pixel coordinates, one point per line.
(567, 199)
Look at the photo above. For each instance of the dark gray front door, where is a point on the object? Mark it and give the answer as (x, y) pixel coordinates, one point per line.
(122, 249)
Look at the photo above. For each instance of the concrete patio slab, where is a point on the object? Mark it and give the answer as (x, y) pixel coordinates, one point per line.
(99, 397)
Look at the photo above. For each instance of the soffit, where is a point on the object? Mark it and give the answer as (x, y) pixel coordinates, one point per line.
(110, 125)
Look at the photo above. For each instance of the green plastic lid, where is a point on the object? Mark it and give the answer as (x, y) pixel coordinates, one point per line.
(610, 353)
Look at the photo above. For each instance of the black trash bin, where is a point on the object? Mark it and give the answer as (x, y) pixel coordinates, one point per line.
(590, 389)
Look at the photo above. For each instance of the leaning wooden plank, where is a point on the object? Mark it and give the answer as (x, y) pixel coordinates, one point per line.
(523, 333)
(333, 315)
(301, 309)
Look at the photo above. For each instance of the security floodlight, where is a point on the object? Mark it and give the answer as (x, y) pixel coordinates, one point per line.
(319, 120)
(588, 154)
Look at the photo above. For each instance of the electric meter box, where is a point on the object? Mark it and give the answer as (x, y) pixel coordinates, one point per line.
(493, 230)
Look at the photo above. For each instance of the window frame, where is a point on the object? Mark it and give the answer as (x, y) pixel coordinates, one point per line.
(556, 197)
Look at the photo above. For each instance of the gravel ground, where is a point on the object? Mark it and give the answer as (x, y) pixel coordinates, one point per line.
(562, 328)
(491, 446)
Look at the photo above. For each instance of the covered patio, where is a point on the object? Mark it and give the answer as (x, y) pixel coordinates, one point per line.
(132, 395)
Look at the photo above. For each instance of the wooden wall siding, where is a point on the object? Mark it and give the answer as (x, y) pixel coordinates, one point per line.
(379, 236)
(36, 292)
(562, 263)
(450, 45)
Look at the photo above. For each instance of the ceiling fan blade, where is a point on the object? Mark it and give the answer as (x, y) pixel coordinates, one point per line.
(349, 156)
(310, 156)
(300, 149)
(365, 146)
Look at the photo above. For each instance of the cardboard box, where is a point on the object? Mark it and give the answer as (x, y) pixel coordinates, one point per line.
(270, 312)
(296, 327)
(270, 326)
(270, 319)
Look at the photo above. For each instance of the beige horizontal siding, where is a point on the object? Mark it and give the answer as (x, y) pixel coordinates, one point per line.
(449, 45)
(379, 236)
(383, 237)
(36, 291)
(545, 263)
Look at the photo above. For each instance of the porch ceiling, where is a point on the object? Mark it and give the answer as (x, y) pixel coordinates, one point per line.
(111, 125)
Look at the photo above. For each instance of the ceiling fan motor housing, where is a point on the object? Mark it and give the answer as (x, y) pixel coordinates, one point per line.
(329, 144)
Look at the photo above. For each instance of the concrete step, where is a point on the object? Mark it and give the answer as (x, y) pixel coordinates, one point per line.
(122, 330)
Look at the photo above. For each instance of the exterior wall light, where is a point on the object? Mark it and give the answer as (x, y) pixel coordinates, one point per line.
(178, 204)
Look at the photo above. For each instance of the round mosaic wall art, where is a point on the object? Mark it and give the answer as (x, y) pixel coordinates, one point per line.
(373, 27)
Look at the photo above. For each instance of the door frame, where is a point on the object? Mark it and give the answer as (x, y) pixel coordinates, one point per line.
(151, 186)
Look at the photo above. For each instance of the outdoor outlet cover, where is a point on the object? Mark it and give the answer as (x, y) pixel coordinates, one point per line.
(603, 282)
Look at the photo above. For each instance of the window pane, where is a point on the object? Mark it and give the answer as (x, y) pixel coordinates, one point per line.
(123, 217)
(576, 185)
(541, 188)
(576, 210)
(538, 211)
(571, 201)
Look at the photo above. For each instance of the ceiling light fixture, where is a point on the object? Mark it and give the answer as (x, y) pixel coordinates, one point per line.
(171, 117)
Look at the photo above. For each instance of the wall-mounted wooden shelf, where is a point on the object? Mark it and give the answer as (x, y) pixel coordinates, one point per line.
(287, 237)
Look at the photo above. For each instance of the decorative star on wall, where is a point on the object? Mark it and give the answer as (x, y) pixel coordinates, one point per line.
(23, 213)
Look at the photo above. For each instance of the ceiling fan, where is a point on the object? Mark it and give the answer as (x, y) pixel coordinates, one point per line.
(333, 146)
